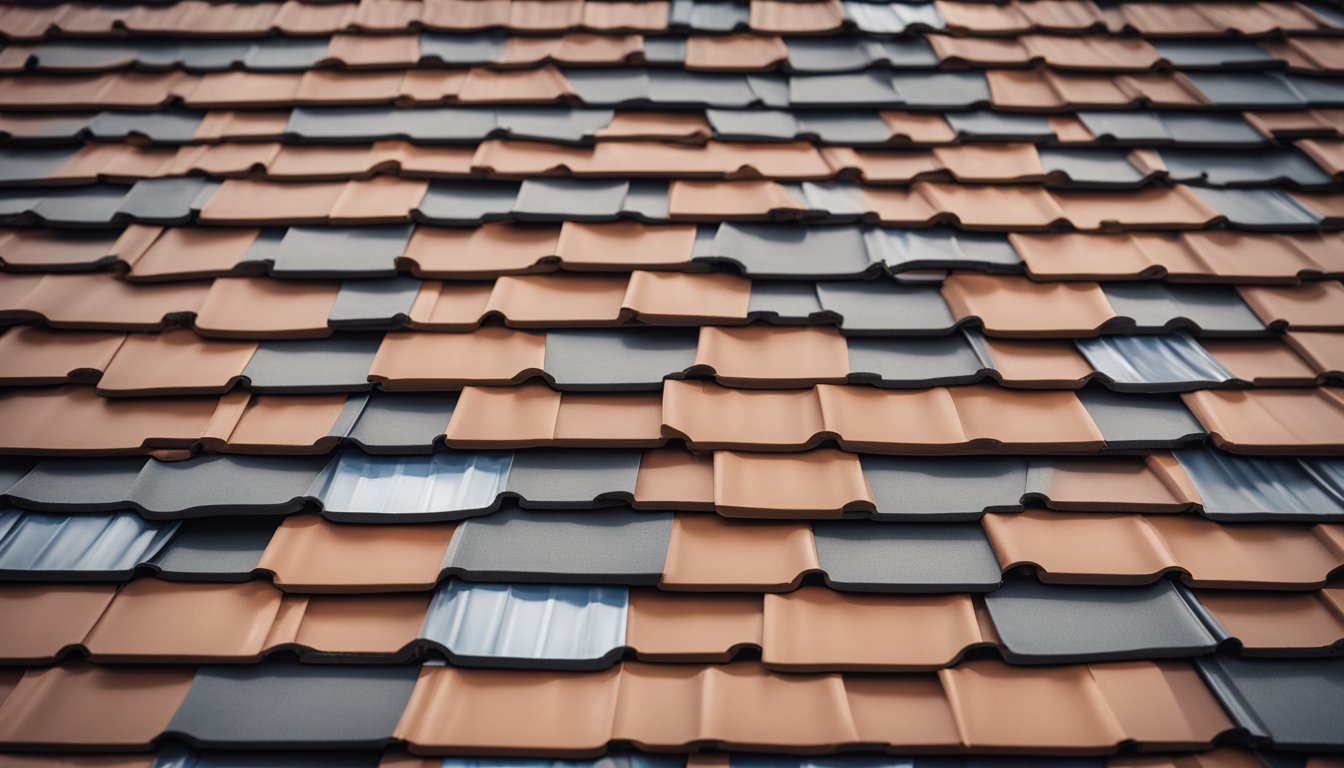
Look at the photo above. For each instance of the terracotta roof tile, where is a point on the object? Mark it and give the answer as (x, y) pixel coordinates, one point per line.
(97, 301)
(624, 243)
(241, 201)
(221, 123)
(707, 552)
(490, 249)
(30, 355)
(300, 18)
(175, 362)
(77, 704)
(75, 418)
(1304, 122)
(387, 15)
(444, 305)
(146, 621)
(1109, 548)
(54, 617)
(744, 52)
(1267, 363)
(656, 125)
(1324, 351)
(739, 199)
(1308, 307)
(1275, 620)
(308, 553)
(783, 357)
(1156, 483)
(1018, 306)
(280, 424)
(244, 89)
(533, 414)
(1271, 420)
(675, 296)
(1023, 362)
(983, 18)
(182, 252)
(347, 624)
(1152, 207)
(644, 15)
(365, 50)
(787, 16)
(817, 483)
(528, 86)
(251, 307)
(1209, 254)
(433, 360)
(675, 479)
(921, 127)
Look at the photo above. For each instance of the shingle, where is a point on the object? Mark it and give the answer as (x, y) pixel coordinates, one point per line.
(53, 126)
(479, 48)
(615, 545)
(553, 478)
(665, 50)
(885, 306)
(785, 250)
(838, 54)
(1000, 126)
(708, 15)
(167, 201)
(1153, 126)
(216, 549)
(1259, 208)
(1295, 703)
(1051, 624)
(372, 123)
(610, 86)
(1169, 362)
(892, 18)
(1211, 53)
(550, 123)
(466, 202)
(166, 125)
(235, 485)
(906, 488)
(843, 127)
(675, 87)
(1224, 168)
(617, 359)
(576, 199)
(938, 247)
(935, 361)
(338, 364)
(1247, 89)
(868, 88)
(78, 485)
(1155, 306)
(784, 302)
(900, 557)
(337, 252)
(941, 89)
(285, 704)
(753, 124)
(374, 303)
(402, 422)
(1091, 167)
(83, 546)
(442, 486)
(33, 163)
(1260, 488)
(282, 54)
(515, 625)
(1140, 421)
(92, 205)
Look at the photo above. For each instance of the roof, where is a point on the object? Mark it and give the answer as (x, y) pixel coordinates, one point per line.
(672, 384)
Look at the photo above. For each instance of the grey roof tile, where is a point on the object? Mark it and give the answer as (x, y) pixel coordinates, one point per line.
(374, 303)
(610, 86)
(291, 705)
(847, 54)
(941, 89)
(168, 125)
(572, 199)
(516, 625)
(787, 250)
(381, 122)
(561, 478)
(78, 485)
(893, 18)
(285, 54)
(1155, 306)
(1332, 15)
(12, 471)
(610, 546)
(1296, 704)
(1258, 488)
(647, 200)
(219, 484)
(1321, 91)
(922, 362)
(633, 358)
(333, 252)
(53, 127)
(843, 127)
(358, 487)
(1002, 126)
(1259, 208)
(96, 204)
(76, 55)
(665, 49)
(1091, 167)
(27, 164)
(941, 488)
(1224, 168)
(1217, 54)
(551, 123)
(1141, 421)
(753, 124)
(216, 549)
(1148, 126)
(1248, 89)
(1053, 624)
(338, 364)
(34, 545)
(263, 248)
(168, 200)
(869, 87)
(402, 422)
(708, 15)
(880, 306)
(899, 557)
(939, 247)
(793, 302)
(1169, 362)
(466, 202)
(483, 47)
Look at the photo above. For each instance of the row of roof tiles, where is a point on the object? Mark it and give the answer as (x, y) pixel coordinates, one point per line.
(1088, 709)
(819, 484)
(759, 251)
(388, 199)
(301, 19)
(453, 124)
(1317, 165)
(1032, 89)
(741, 52)
(680, 552)
(179, 362)
(74, 419)
(176, 756)
(264, 307)
(593, 627)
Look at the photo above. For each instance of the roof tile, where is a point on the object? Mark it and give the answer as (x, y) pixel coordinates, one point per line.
(77, 704)
(309, 553)
(1271, 420)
